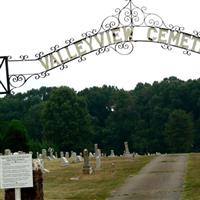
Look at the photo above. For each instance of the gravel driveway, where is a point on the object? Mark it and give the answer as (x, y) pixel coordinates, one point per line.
(161, 179)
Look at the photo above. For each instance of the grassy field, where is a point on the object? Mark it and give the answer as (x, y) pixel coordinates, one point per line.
(192, 179)
(98, 186)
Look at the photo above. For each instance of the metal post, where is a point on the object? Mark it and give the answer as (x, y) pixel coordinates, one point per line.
(17, 194)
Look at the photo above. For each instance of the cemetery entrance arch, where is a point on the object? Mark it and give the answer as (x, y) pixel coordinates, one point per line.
(117, 32)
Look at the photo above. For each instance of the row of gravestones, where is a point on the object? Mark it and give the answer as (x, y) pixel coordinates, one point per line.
(74, 158)
(74, 155)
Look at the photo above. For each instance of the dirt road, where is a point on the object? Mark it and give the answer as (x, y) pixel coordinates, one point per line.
(161, 179)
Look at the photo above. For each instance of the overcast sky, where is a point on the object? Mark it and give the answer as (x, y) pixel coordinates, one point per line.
(28, 27)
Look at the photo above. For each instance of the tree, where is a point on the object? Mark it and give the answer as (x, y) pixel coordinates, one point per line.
(67, 123)
(16, 138)
(179, 132)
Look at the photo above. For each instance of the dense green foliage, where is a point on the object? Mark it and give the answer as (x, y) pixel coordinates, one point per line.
(15, 138)
(162, 117)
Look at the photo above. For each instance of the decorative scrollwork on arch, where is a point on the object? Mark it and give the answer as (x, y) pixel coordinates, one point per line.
(124, 48)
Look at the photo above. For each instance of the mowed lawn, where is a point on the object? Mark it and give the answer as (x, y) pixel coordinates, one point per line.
(98, 186)
(192, 179)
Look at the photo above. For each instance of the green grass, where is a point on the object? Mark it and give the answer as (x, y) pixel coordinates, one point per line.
(89, 187)
(98, 186)
(192, 179)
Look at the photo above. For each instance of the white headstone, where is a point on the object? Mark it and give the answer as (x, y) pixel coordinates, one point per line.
(44, 153)
(61, 154)
(112, 154)
(95, 149)
(80, 159)
(64, 162)
(73, 158)
(127, 152)
(98, 159)
(67, 155)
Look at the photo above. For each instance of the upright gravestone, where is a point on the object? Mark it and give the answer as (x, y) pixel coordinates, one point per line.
(61, 154)
(56, 155)
(95, 149)
(112, 153)
(91, 155)
(87, 169)
(98, 159)
(44, 153)
(7, 152)
(50, 150)
(73, 158)
(126, 152)
(67, 155)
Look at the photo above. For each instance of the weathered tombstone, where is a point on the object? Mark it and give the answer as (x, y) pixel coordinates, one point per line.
(91, 155)
(50, 150)
(64, 162)
(98, 159)
(44, 153)
(87, 169)
(80, 159)
(73, 158)
(61, 154)
(49, 157)
(112, 153)
(37, 154)
(127, 152)
(7, 152)
(56, 155)
(95, 149)
(67, 155)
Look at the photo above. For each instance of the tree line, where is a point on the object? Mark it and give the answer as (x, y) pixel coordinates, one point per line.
(160, 117)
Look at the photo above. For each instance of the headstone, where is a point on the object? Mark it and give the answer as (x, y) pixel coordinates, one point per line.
(73, 158)
(64, 162)
(80, 159)
(91, 155)
(126, 148)
(95, 149)
(44, 153)
(112, 154)
(56, 155)
(50, 150)
(7, 152)
(49, 157)
(37, 154)
(127, 152)
(61, 154)
(98, 159)
(87, 169)
(67, 155)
